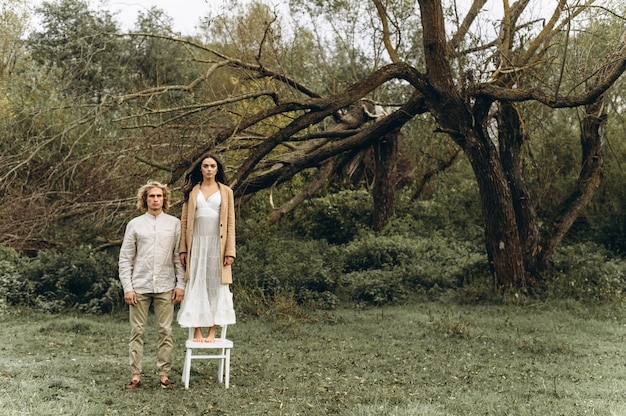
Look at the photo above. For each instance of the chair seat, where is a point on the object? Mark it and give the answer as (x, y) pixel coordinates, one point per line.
(219, 343)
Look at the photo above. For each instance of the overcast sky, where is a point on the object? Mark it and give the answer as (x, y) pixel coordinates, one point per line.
(186, 13)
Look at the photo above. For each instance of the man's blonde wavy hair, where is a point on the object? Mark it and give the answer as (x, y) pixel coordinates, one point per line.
(142, 195)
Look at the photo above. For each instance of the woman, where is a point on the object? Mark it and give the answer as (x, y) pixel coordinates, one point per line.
(207, 249)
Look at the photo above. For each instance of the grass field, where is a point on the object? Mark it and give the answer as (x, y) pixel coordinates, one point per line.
(422, 359)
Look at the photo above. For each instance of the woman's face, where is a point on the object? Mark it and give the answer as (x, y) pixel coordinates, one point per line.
(208, 168)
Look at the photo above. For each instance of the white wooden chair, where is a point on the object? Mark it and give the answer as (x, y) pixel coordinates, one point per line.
(222, 354)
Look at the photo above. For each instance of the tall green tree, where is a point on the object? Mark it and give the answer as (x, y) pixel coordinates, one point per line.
(67, 158)
(80, 43)
(15, 21)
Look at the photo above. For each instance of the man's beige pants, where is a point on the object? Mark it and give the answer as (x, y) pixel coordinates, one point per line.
(164, 314)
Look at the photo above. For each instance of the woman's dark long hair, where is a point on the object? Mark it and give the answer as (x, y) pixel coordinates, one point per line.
(194, 176)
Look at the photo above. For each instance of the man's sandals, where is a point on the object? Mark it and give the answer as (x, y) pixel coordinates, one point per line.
(133, 385)
(168, 384)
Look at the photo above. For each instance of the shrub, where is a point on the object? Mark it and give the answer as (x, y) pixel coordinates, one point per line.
(276, 265)
(14, 288)
(377, 287)
(586, 272)
(73, 278)
(336, 218)
(388, 268)
(384, 253)
(421, 261)
(453, 209)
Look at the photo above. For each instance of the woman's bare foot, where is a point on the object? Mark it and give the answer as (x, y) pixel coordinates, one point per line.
(197, 336)
(211, 335)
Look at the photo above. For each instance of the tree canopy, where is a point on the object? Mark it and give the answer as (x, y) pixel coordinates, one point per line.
(321, 99)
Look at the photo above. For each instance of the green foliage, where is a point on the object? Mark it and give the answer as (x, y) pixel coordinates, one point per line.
(586, 272)
(74, 278)
(81, 43)
(159, 61)
(385, 253)
(604, 221)
(10, 256)
(376, 287)
(13, 288)
(453, 209)
(336, 218)
(276, 265)
(385, 269)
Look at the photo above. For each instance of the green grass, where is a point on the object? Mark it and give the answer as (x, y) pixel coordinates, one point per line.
(422, 359)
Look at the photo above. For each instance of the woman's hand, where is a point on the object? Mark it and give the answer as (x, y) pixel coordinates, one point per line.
(183, 259)
(228, 260)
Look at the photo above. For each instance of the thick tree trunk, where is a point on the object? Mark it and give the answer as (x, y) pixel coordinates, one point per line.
(510, 139)
(385, 174)
(504, 248)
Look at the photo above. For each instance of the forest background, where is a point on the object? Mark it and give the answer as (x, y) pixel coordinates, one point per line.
(380, 152)
(430, 203)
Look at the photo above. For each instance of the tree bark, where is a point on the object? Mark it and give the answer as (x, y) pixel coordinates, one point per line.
(592, 166)
(511, 138)
(502, 239)
(385, 174)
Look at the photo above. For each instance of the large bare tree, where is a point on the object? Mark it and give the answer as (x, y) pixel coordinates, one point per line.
(272, 123)
(473, 90)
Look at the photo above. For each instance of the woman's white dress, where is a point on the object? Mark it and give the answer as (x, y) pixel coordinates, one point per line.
(207, 301)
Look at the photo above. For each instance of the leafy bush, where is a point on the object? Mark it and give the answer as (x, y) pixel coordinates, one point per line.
(13, 287)
(276, 266)
(453, 210)
(586, 272)
(427, 264)
(377, 287)
(384, 253)
(336, 218)
(73, 278)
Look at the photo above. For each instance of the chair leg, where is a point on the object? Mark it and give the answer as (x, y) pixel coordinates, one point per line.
(227, 368)
(187, 367)
(220, 368)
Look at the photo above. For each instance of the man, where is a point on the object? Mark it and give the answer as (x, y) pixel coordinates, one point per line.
(150, 272)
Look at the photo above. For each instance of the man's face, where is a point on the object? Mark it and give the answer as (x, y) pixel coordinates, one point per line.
(155, 200)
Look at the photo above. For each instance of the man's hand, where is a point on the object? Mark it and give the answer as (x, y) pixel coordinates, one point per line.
(178, 295)
(130, 298)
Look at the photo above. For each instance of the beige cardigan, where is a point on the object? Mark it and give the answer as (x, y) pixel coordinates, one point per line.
(227, 228)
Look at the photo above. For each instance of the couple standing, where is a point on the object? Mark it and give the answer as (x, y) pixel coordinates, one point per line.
(164, 260)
